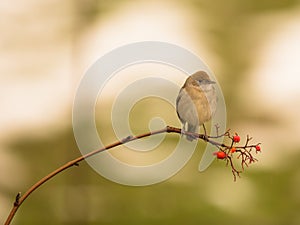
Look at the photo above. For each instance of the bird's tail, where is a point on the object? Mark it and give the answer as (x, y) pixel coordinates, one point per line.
(191, 129)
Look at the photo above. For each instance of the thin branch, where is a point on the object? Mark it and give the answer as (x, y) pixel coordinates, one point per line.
(19, 199)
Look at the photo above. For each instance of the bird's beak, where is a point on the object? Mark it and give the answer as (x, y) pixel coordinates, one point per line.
(206, 82)
(210, 82)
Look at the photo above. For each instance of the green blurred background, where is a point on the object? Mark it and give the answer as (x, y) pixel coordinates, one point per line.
(253, 47)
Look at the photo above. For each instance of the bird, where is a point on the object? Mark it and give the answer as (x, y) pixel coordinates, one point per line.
(196, 103)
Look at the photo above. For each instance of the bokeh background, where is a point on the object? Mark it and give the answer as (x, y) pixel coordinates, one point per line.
(253, 47)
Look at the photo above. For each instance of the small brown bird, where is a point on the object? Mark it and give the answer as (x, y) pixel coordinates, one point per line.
(196, 102)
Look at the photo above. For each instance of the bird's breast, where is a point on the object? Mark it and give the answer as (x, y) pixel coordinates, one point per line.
(204, 103)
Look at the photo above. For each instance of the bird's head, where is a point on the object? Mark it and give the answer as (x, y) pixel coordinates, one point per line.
(200, 78)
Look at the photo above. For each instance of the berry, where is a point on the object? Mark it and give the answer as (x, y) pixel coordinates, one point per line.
(233, 149)
(236, 138)
(220, 154)
(257, 148)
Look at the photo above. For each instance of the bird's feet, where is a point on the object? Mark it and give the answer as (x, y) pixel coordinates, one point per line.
(205, 133)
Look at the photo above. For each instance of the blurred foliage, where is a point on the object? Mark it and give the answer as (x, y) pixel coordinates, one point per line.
(81, 196)
(87, 11)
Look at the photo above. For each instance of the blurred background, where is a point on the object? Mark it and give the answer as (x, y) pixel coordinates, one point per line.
(253, 47)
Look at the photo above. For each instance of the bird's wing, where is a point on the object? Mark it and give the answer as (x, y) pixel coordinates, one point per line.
(185, 108)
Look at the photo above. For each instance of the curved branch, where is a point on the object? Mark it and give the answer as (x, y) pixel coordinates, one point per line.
(21, 198)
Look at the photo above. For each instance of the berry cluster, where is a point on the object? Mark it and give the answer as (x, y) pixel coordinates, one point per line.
(243, 152)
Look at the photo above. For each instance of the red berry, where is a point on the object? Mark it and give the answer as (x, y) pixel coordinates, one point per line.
(233, 149)
(236, 138)
(220, 154)
(257, 147)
